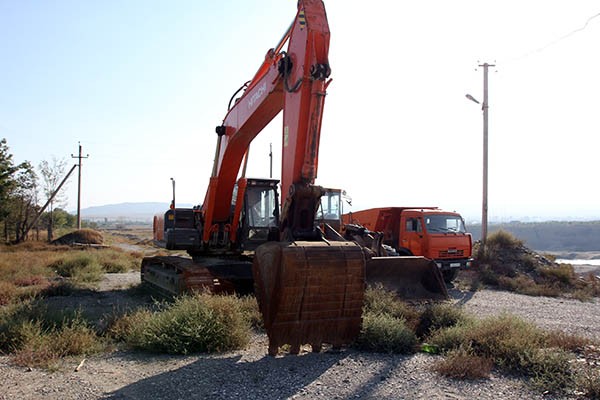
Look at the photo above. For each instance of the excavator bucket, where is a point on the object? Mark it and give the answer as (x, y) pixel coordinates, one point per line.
(409, 277)
(310, 292)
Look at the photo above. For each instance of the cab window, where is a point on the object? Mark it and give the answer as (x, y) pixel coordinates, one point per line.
(413, 225)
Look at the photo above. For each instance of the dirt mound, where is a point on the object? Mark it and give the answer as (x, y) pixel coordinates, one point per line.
(81, 236)
(506, 263)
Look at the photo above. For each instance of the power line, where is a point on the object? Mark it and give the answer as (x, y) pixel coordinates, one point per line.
(560, 39)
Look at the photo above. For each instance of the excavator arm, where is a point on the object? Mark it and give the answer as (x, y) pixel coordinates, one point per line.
(293, 81)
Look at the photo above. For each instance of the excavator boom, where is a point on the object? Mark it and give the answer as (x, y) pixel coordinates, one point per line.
(309, 290)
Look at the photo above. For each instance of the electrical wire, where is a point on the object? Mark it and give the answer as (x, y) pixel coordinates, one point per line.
(560, 39)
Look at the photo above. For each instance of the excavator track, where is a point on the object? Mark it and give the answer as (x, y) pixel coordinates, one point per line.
(178, 275)
(310, 293)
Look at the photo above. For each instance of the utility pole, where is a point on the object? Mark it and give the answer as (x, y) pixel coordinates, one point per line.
(270, 160)
(484, 107)
(79, 157)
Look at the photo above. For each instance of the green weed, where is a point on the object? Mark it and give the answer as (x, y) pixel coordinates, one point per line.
(198, 323)
(385, 333)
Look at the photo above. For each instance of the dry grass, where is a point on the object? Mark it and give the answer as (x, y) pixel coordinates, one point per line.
(461, 363)
(381, 301)
(23, 273)
(515, 345)
(38, 337)
(588, 383)
(43, 348)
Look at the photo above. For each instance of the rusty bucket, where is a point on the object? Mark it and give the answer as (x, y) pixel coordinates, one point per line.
(310, 292)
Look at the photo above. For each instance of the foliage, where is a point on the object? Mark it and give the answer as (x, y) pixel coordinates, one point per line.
(52, 175)
(81, 267)
(38, 341)
(7, 170)
(198, 323)
(438, 316)
(23, 272)
(18, 194)
(388, 324)
(512, 344)
(385, 333)
(588, 381)
(507, 264)
(381, 301)
(250, 309)
(60, 217)
(462, 363)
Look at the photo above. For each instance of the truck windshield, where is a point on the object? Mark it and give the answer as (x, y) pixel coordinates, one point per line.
(444, 224)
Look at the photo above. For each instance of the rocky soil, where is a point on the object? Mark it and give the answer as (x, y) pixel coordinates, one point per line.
(252, 374)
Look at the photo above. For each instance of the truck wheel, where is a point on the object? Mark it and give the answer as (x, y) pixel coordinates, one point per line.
(449, 274)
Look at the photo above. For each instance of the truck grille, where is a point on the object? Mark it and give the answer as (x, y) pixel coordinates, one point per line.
(451, 253)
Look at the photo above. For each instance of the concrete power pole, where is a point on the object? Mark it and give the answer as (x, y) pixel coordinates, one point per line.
(484, 107)
(79, 157)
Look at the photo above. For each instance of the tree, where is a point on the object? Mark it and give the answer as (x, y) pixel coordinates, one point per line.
(52, 174)
(11, 177)
(7, 170)
(23, 201)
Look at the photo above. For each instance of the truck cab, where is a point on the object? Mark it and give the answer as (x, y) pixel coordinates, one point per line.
(438, 235)
(421, 231)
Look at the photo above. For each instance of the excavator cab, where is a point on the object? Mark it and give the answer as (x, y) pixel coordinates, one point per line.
(259, 216)
(330, 209)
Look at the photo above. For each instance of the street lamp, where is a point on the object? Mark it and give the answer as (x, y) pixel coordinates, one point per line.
(484, 205)
(173, 201)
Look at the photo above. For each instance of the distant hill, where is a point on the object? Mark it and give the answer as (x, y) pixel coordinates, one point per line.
(130, 211)
(551, 235)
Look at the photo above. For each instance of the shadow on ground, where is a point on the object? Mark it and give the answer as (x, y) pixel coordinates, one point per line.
(267, 378)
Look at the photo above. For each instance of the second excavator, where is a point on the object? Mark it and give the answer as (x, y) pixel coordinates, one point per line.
(309, 285)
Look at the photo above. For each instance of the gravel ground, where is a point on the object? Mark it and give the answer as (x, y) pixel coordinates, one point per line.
(251, 374)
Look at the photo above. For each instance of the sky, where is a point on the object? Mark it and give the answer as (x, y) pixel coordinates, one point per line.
(142, 85)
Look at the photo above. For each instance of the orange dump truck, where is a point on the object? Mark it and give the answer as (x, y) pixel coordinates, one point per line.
(421, 231)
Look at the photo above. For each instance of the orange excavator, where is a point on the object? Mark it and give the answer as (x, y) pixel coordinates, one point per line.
(309, 284)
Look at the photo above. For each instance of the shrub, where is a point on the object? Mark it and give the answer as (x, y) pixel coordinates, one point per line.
(115, 261)
(199, 323)
(550, 370)
(8, 293)
(385, 333)
(81, 267)
(463, 364)
(566, 341)
(513, 344)
(249, 307)
(563, 273)
(43, 348)
(451, 338)
(439, 316)
(588, 381)
(381, 301)
(39, 338)
(503, 239)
